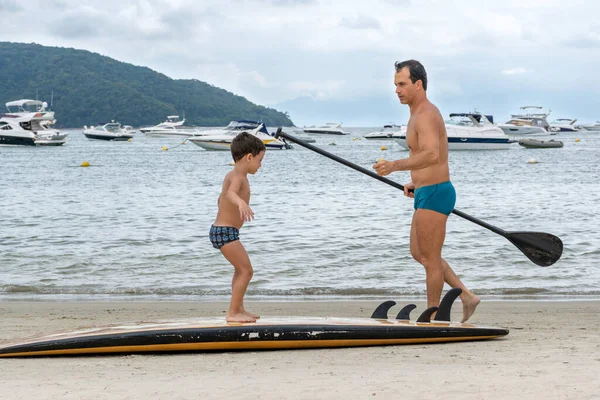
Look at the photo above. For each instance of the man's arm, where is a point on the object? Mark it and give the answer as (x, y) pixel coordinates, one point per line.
(428, 136)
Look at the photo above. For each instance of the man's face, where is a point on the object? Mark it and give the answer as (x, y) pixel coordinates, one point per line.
(405, 89)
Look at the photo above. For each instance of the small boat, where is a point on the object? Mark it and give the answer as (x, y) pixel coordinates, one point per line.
(171, 128)
(528, 123)
(331, 128)
(387, 132)
(564, 125)
(111, 131)
(540, 144)
(223, 140)
(592, 127)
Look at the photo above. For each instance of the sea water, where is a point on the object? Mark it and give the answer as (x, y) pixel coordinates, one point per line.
(134, 225)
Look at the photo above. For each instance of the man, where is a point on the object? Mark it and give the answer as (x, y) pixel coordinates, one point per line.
(433, 192)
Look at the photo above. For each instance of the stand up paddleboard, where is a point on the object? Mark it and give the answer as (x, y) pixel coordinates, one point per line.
(266, 334)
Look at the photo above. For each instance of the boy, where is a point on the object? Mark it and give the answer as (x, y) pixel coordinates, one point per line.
(248, 152)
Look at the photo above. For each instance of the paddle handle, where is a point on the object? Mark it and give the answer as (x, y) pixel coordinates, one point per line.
(372, 174)
(333, 157)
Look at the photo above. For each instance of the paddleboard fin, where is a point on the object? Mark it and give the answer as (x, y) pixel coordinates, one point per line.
(426, 315)
(404, 314)
(443, 313)
(382, 310)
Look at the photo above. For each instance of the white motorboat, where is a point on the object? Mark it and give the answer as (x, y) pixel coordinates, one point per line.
(387, 132)
(469, 131)
(528, 123)
(236, 126)
(331, 128)
(222, 140)
(111, 131)
(27, 122)
(592, 127)
(172, 127)
(564, 125)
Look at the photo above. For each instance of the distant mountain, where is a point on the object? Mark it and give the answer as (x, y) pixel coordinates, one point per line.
(90, 88)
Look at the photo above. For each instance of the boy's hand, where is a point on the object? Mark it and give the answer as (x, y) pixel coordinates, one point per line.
(246, 213)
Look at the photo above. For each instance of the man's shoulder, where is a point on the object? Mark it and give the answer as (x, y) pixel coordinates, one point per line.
(428, 114)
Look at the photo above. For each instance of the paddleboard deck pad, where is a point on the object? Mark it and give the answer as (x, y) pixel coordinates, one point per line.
(266, 334)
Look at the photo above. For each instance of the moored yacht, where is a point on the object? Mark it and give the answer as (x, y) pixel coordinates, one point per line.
(387, 132)
(222, 140)
(592, 127)
(172, 127)
(528, 123)
(564, 125)
(469, 131)
(27, 122)
(111, 131)
(331, 128)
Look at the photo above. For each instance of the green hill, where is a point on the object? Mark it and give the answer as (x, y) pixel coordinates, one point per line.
(89, 88)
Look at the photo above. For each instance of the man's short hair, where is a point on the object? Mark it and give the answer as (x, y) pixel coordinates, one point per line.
(246, 143)
(416, 70)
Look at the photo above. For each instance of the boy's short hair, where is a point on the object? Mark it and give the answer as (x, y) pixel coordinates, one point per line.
(246, 143)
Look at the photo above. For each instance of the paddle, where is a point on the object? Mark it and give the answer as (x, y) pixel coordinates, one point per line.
(541, 248)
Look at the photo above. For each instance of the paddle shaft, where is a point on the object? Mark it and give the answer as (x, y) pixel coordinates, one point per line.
(382, 179)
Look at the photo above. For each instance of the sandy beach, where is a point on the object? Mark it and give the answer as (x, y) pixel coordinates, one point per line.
(552, 352)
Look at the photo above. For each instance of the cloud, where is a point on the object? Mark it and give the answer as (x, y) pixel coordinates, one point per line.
(10, 6)
(82, 22)
(514, 71)
(360, 22)
(273, 51)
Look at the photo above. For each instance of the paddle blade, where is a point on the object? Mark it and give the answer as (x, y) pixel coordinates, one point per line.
(542, 248)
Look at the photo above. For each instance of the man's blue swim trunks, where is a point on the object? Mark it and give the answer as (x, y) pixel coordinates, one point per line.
(222, 235)
(440, 197)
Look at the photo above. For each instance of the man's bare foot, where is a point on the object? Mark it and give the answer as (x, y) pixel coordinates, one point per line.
(240, 317)
(251, 315)
(470, 303)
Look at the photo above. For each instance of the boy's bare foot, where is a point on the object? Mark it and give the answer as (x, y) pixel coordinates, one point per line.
(470, 303)
(251, 315)
(240, 317)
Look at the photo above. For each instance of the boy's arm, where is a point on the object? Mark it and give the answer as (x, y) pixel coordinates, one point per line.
(233, 190)
(246, 213)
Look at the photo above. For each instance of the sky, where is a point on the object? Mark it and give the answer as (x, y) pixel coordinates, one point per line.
(333, 61)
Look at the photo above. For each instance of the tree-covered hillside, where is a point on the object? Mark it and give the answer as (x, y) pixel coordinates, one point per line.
(89, 88)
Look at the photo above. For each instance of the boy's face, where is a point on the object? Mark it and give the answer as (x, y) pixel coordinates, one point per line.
(255, 162)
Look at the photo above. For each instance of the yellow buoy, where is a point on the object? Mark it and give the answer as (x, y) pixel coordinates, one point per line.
(354, 138)
(85, 164)
(165, 148)
(129, 140)
(383, 148)
(532, 161)
(577, 140)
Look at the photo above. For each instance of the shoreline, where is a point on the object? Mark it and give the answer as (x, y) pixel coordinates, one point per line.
(41, 298)
(552, 351)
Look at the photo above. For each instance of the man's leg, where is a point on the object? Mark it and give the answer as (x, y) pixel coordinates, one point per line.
(468, 299)
(430, 230)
